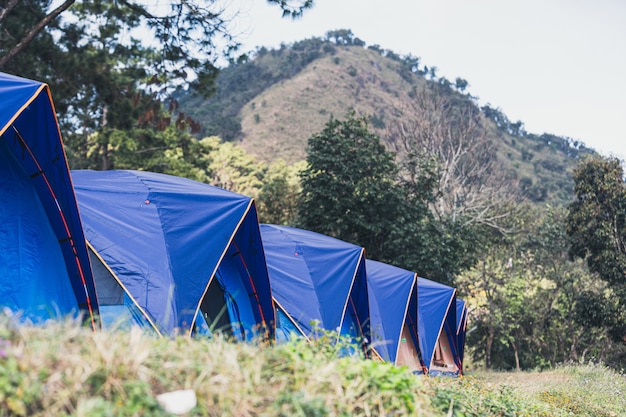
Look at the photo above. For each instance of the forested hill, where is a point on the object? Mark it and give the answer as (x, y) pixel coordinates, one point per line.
(272, 102)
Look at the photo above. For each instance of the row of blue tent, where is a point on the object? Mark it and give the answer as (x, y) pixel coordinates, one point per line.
(180, 257)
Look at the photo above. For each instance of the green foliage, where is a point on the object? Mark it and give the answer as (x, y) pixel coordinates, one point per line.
(526, 297)
(60, 369)
(279, 192)
(108, 85)
(597, 220)
(349, 188)
(18, 392)
(596, 226)
(42, 53)
(230, 167)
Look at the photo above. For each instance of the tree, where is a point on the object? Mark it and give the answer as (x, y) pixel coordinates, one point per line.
(349, 188)
(596, 225)
(352, 190)
(447, 128)
(442, 140)
(461, 84)
(186, 33)
(44, 18)
(233, 169)
(526, 297)
(107, 78)
(278, 194)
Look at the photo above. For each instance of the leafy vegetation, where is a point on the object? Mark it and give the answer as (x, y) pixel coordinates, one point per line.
(63, 369)
(526, 296)
(349, 188)
(596, 225)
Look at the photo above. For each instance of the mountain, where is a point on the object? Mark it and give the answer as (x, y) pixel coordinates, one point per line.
(273, 102)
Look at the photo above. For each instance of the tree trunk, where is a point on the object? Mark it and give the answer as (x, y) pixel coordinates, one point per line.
(104, 151)
(573, 354)
(488, 346)
(516, 353)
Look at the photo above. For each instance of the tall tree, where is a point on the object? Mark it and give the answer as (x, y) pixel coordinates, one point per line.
(187, 34)
(446, 127)
(112, 65)
(349, 188)
(596, 225)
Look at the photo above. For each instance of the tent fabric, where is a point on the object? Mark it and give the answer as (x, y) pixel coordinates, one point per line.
(437, 327)
(319, 281)
(461, 326)
(286, 328)
(44, 265)
(167, 240)
(394, 314)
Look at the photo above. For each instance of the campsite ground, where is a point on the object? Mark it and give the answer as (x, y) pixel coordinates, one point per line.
(67, 370)
(577, 390)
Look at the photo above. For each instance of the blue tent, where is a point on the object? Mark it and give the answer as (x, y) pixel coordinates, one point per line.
(182, 256)
(393, 310)
(44, 266)
(461, 327)
(437, 327)
(316, 279)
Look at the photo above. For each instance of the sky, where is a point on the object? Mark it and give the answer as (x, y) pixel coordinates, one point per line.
(559, 66)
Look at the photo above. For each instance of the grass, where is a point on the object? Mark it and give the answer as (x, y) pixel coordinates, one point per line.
(62, 369)
(582, 390)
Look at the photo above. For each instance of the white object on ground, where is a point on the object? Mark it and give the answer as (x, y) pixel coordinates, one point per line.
(178, 402)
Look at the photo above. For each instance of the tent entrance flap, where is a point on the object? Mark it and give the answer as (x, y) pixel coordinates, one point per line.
(33, 275)
(443, 358)
(350, 326)
(407, 352)
(227, 307)
(215, 311)
(285, 328)
(117, 310)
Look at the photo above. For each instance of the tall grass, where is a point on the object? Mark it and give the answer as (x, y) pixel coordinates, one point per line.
(63, 369)
(580, 390)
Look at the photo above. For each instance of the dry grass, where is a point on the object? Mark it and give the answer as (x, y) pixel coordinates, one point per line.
(63, 369)
(583, 390)
(278, 122)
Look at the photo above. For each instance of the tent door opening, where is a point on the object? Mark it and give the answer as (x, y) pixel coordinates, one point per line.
(443, 358)
(407, 352)
(227, 307)
(117, 309)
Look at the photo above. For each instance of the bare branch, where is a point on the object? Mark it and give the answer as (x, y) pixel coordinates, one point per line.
(450, 130)
(26, 40)
(10, 6)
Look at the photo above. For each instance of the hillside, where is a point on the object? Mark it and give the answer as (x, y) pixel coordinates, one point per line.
(278, 122)
(273, 102)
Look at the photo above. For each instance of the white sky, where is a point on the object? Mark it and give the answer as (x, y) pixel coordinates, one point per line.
(559, 66)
